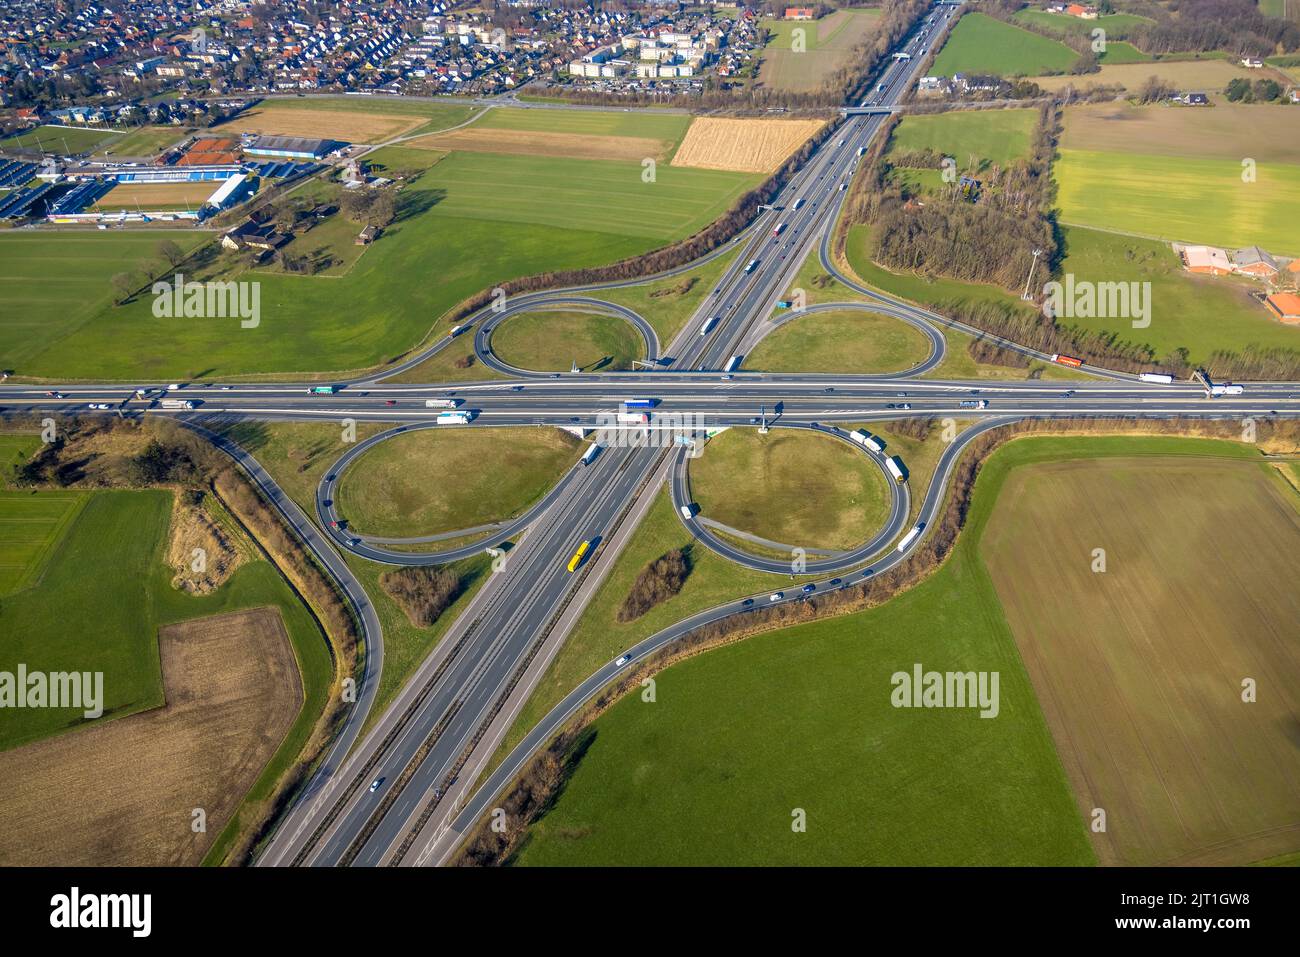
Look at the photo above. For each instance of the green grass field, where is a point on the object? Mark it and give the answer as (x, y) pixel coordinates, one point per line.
(667, 303)
(980, 44)
(848, 341)
(144, 141)
(109, 558)
(430, 481)
(792, 487)
(1199, 313)
(993, 136)
(1190, 198)
(1117, 51)
(60, 139)
(554, 340)
(663, 126)
(1115, 24)
(471, 222)
(31, 527)
(879, 785)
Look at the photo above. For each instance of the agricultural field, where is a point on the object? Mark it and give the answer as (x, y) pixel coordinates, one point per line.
(974, 139)
(1146, 195)
(664, 126)
(120, 792)
(1217, 133)
(828, 44)
(1140, 668)
(481, 139)
(429, 482)
(792, 487)
(1199, 313)
(347, 120)
(31, 526)
(473, 220)
(981, 44)
(52, 284)
(556, 340)
(1209, 75)
(156, 196)
(851, 341)
(71, 140)
(742, 145)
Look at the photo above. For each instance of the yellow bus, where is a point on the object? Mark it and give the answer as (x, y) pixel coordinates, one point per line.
(578, 556)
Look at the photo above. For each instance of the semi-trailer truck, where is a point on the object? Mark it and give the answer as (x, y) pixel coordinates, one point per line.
(640, 403)
(579, 555)
(589, 456)
(1160, 377)
(778, 230)
(441, 403)
(177, 403)
(731, 364)
(910, 537)
(322, 390)
(1226, 388)
(895, 466)
(867, 440)
(708, 325)
(973, 404)
(453, 418)
(862, 150)
(751, 265)
(798, 202)
(1066, 360)
(633, 418)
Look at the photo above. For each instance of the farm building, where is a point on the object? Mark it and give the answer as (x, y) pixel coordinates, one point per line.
(367, 236)
(1253, 261)
(799, 13)
(1284, 305)
(290, 147)
(1208, 260)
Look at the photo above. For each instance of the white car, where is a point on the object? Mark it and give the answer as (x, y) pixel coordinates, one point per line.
(622, 660)
(776, 596)
(374, 785)
(99, 406)
(173, 387)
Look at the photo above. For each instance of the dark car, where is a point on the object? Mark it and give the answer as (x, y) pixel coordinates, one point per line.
(746, 603)
(835, 581)
(809, 588)
(390, 402)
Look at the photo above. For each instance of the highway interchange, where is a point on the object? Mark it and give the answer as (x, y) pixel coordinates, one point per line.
(429, 746)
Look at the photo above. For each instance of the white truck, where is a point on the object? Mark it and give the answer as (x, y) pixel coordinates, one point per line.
(708, 325)
(633, 418)
(589, 456)
(895, 466)
(441, 403)
(1226, 388)
(1159, 377)
(910, 537)
(177, 403)
(867, 440)
(453, 418)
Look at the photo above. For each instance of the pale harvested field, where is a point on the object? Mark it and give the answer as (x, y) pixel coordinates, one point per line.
(122, 792)
(1138, 669)
(742, 145)
(539, 143)
(1205, 76)
(156, 195)
(348, 126)
(1228, 131)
